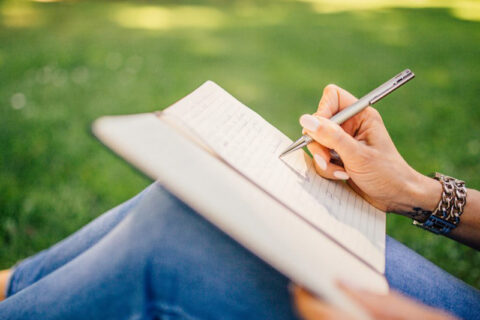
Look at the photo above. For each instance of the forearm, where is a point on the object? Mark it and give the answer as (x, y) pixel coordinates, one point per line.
(468, 230)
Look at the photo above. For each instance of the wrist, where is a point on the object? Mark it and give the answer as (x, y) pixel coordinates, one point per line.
(426, 193)
(422, 195)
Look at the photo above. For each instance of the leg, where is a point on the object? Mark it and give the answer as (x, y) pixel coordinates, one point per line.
(191, 254)
(162, 260)
(415, 276)
(36, 267)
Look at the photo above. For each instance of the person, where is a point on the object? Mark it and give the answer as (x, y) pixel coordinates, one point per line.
(155, 257)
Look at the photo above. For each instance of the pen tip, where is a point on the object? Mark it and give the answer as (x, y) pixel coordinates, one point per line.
(284, 153)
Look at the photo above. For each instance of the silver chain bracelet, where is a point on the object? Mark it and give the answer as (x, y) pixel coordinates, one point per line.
(446, 215)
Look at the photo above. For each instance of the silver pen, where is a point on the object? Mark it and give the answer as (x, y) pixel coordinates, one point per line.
(367, 100)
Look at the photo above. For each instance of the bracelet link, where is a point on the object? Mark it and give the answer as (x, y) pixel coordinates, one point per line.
(446, 215)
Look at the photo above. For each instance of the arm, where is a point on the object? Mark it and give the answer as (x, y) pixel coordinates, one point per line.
(373, 167)
(427, 195)
(468, 230)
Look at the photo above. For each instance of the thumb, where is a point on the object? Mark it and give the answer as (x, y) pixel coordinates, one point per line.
(330, 135)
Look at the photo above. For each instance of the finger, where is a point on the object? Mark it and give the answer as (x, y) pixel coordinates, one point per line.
(333, 100)
(311, 308)
(330, 135)
(368, 300)
(376, 305)
(323, 166)
(392, 305)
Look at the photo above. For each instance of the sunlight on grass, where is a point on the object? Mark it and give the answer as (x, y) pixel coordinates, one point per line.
(394, 30)
(157, 18)
(466, 10)
(19, 15)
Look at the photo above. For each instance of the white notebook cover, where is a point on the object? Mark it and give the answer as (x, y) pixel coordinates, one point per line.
(238, 206)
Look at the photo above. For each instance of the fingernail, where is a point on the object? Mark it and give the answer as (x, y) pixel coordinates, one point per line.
(309, 122)
(341, 175)
(321, 163)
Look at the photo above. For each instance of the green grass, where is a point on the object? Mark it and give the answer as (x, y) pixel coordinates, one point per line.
(64, 64)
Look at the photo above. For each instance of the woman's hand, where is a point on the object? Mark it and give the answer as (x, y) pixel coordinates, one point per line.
(371, 163)
(392, 306)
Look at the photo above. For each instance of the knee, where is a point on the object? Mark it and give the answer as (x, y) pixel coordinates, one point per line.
(161, 219)
(159, 209)
(163, 228)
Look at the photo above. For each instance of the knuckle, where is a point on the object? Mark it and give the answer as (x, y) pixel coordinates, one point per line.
(330, 87)
(337, 136)
(330, 133)
(373, 113)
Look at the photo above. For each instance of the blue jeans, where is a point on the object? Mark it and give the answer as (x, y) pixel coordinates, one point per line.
(154, 257)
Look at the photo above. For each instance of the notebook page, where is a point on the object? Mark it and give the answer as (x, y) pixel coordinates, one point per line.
(251, 145)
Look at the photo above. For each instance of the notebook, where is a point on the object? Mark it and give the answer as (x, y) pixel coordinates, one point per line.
(221, 158)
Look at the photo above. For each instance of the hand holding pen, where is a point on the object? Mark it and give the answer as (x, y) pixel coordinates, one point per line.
(372, 164)
(367, 100)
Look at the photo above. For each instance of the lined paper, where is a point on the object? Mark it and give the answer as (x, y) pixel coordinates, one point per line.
(251, 145)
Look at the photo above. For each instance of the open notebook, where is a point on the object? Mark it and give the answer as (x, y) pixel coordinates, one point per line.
(221, 158)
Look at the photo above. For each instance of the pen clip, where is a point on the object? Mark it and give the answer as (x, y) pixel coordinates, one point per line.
(396, 82)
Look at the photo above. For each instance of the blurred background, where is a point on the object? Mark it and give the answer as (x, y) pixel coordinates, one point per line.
(65, 63)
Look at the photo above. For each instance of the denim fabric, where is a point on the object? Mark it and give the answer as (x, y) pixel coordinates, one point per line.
(154, 257)
(415, 276)
(36, 267)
